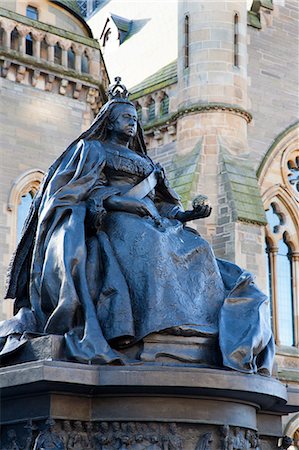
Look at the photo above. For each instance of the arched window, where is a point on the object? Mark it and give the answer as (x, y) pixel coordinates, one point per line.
(281, 200)
(71, 58)
(236, 40)
(19, 201)
(14, 40)
(57, 54)
(84, 63)
(164, 105)
(32, 12)
(293, 173)
(186, 41)
(139, 111)
(151, 110)
(281, 286)
(29, 45)
(23, 210)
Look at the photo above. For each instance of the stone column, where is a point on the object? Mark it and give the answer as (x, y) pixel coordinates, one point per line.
(23, 31)
(51, 41)
(78, 49)
(37, 39)
(7, 26)
(65, 45)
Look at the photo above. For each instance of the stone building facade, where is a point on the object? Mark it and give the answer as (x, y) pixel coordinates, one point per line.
(222, 117)
(220, 112)
(52, 83)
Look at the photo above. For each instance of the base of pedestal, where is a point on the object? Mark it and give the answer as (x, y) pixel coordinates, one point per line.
(139, 406)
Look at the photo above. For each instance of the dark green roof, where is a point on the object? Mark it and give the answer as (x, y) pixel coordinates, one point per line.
(244, 188)
(162, 78)
(73, 7)
(253, 16)
(182, 173)
(70, 4)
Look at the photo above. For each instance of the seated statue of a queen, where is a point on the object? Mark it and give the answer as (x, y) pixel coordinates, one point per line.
(106, 259)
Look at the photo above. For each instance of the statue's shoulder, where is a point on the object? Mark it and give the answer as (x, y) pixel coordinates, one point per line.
(91, 147)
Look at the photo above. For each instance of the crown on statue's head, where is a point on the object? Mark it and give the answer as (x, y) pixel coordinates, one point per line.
(118, 90)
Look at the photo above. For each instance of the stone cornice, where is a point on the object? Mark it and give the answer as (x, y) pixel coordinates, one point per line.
(49, 28)
(31, 63)
(195, 109)
(212, 107)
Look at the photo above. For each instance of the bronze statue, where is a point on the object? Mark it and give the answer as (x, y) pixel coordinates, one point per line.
(105, 258)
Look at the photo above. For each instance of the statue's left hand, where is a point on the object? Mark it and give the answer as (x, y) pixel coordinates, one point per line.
(200, 212)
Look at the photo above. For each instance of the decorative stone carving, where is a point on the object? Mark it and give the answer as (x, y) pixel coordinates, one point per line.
(49, 82)
(77, 90)
(11, 441)
(21, 70)
(29, 428)
(23, 30)
(5, 68)
(49, 438)
(51, 39)
(37, 34)
(78, 439)
(172, 441)
(171, 129)
(158, 135)
(63, 86)
(204, 442)
(8, 25)
(35, 77)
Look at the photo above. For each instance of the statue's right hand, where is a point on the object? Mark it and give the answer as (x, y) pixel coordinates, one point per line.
(127, 204)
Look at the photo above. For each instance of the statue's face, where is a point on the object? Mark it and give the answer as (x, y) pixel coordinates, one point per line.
(124, 120)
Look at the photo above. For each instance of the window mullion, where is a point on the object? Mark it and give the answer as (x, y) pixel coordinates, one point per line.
(273, 251)
(295, 287)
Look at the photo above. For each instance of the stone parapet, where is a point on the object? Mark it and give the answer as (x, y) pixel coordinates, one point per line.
(51, 59)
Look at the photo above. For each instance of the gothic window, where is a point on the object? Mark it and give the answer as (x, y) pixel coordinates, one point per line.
(236, 40)
(20, 199)
(71, 58)
(281, 286)
(84, 63)
(279, 186)
(293, 173)
(139, 111)
(23, 210)
(186, 41)
(151, 110)
(285, 293)
(57, 54)
(32, 12)
(164, 105)
(14, 40)
(29, 45)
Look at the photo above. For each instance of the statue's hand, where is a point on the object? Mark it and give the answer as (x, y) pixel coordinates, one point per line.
(127, 204)
(199, 212)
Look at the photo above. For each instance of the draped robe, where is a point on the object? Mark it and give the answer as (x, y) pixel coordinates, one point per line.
(95, 276)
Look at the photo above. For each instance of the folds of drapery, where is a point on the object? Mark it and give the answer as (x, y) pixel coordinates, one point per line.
(69, 270)
(245, 335)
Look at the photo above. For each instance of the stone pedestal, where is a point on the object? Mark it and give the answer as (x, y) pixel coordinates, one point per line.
(139, 406)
